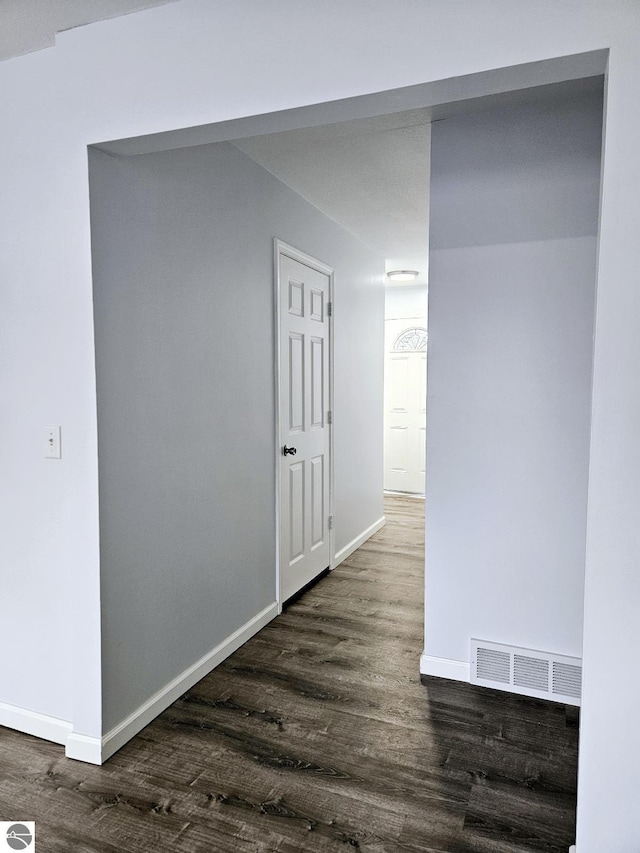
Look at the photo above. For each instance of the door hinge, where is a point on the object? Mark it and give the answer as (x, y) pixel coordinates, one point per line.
(329, 309)
(330, 522)
(329, 417)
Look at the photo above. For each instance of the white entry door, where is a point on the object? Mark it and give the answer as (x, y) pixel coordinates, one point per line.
(405, 391)
(305, 432)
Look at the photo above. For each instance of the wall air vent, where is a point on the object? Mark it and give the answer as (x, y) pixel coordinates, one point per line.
(493, 665)
(530, 673)
(567, 679)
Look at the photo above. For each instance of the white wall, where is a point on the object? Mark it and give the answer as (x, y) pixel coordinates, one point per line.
(515, 175)
(511, 313)
(405, 302)
(509, 390)
(183, 297)
(205, 61)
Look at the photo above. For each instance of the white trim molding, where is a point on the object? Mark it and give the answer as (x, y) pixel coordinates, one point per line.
(345, 552)
(34, 723)
(84, 748)
(572, 849)
(98, 750)
(457, 670)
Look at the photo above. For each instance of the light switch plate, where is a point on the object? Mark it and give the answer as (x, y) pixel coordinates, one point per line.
(53, 444)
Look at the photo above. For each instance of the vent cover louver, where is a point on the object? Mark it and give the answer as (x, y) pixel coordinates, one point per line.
(530, 673)
(567, 679)
(494, 665)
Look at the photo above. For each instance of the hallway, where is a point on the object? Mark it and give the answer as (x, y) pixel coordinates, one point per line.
(318, 736)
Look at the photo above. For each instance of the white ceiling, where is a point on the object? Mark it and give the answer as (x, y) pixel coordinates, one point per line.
(371, 177)
(28, 25)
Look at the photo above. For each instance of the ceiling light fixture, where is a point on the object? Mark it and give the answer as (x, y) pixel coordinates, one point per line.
(403, 275)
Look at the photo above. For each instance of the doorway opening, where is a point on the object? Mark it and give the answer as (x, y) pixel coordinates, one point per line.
(255, 601)
(405, 390)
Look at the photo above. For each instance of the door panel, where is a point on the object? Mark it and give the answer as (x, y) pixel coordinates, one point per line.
(296, 529)
(317, 305)
(296, 382)
(398, 449)
(304, 395)
(295, 298)
(422, 384)
(318, 510)
(399, 383)
(317, 383)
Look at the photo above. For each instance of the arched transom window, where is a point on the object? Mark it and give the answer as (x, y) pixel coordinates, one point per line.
(411, 340)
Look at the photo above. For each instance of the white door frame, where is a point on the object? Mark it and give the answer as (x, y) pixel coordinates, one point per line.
(282, 248)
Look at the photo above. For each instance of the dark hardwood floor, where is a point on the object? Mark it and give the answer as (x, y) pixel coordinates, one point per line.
(317, 735)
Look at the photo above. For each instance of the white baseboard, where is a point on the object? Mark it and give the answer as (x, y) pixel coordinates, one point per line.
(445, 668)
(96, 751)
(33, 723)
(572, 849)
(345, 552)
(84, 748)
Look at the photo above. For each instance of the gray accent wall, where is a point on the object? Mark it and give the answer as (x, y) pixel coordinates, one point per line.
(184, 323)
(514, 211)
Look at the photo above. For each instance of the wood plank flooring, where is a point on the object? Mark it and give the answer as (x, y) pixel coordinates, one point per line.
(317, 735)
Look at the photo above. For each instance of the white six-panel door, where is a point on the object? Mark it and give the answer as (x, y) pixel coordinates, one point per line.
(305, 433)
(405, 385)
